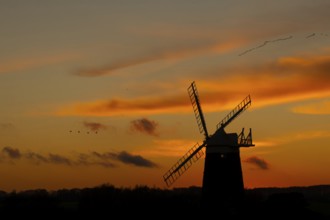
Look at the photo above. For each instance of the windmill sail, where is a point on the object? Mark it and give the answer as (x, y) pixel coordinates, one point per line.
(183, 164)
(235, 112)
(193, 94)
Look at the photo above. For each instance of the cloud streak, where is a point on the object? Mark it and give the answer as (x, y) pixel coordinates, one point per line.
(168, 148)
(123, 106)
(285, 80)
(27, 63)
(106, 159)
(308, 135)
(160, 55)
(320, 108)
(144, 126)
(293, 137)
(258, 162)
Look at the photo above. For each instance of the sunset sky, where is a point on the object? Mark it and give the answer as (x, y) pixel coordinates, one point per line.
(95, 92)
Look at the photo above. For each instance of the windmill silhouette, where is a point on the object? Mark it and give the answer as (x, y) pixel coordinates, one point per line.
(222, 179)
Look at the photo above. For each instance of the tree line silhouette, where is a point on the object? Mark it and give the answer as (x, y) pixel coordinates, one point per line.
(142, 201)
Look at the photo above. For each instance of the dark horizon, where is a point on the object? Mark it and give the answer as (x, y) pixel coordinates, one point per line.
(312, 202)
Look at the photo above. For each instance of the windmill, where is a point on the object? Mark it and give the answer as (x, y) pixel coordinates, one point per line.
(222, 178)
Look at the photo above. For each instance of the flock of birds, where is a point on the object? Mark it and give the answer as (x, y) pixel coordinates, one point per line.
(280, 39)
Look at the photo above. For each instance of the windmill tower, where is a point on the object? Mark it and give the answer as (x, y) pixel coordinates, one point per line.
(222, 179)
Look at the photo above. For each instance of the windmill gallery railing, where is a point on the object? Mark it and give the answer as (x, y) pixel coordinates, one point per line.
(245, 141)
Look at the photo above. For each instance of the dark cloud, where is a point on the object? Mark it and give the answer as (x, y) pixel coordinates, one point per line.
(94, 126)
(36, 158)
(260, 163)
(105, 164)
(94, 159)
(144, 125)
(6, 125)
(83, 159)
(51, 158)
(104, 159)
(58, 159)
(12, 152)
(136, 160)
(126, 158)
(104, 156)
(91, 159)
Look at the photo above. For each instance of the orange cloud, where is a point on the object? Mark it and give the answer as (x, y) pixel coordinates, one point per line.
(321, 108)
(113, 107)
(265, 143)
(174, 54)
(293, 137)
(286, 80)
(35, 62)
(168, 148)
